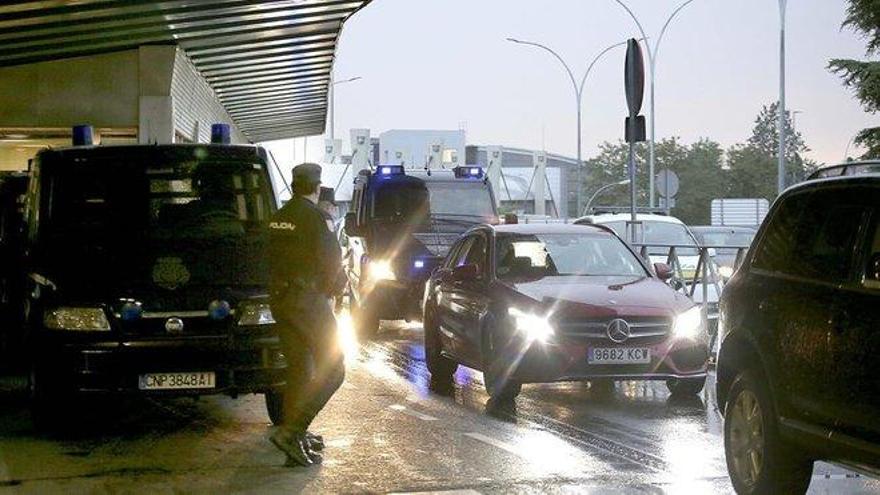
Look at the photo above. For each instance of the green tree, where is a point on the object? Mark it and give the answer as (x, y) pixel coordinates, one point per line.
(698, 167)
(752, 166)
(863, 77)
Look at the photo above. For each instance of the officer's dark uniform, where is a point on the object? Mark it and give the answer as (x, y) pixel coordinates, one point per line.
(305, 266)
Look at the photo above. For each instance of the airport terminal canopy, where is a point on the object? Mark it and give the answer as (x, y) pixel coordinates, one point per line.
(268, 62)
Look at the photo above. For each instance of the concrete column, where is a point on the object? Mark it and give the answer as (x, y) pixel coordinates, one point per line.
(332, 150)
(494, 162)
(539, 159)
(360, 152)
(435, 154)
(156, 120)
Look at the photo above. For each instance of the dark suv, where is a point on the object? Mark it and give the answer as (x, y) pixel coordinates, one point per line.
(800, 322)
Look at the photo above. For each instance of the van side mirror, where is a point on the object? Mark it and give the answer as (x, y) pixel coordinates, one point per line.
(873, 268)
(351, 226)
(663, 271)
(466, 273)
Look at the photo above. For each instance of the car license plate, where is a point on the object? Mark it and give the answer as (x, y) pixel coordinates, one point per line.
(177, 381)
(619, 355)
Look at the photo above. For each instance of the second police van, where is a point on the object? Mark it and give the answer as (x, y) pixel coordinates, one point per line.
(401, 225)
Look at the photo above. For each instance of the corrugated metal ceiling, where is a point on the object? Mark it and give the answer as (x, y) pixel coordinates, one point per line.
(268, 61)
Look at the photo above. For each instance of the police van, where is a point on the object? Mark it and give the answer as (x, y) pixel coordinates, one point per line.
(145, 273)
(400, 227)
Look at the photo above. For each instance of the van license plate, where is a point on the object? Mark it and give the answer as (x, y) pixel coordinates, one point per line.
(619, 355)
(177, 381)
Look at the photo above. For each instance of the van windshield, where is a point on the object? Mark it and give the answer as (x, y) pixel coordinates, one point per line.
(113, 215)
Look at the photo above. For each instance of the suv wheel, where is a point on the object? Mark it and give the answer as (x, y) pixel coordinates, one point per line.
(685, 387)
(441, 368)
(497, 360)
(275, 406)
(366, 322)
(758, 460)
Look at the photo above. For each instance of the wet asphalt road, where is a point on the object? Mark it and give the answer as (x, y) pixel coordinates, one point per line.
(387, 432)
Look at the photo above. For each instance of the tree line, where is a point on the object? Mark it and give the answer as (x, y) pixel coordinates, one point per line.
(705, 169)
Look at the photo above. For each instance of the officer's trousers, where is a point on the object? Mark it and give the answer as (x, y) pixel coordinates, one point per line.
(315, 362)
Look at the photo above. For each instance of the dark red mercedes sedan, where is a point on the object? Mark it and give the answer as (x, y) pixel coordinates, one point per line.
(549, 302)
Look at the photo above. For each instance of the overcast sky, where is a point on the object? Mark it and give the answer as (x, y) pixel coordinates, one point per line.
(445, 64)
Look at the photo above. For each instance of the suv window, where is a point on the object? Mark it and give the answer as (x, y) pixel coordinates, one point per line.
(872, 271)
(808, 237)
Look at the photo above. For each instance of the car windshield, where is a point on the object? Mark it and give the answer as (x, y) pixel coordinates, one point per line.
(719, 240)
(548, 255)
(117, 215)
(659, 236)
(400, 203)
(460, 198)
(187, 199)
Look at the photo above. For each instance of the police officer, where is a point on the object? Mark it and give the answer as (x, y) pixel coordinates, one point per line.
(305, 274)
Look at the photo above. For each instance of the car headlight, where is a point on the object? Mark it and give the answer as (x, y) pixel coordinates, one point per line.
(534, 327)
(255, 313)
(688, 324)
(381, 270)
(725, 271)
(76, 319)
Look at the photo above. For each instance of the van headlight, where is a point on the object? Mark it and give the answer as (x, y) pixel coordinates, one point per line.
(688, 324)
(254, 314)
(533, 326)
(381, 270)
(77, 319)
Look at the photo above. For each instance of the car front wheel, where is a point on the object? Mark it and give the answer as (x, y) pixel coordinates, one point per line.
(441, 367)
(758, 460)
(499, 359)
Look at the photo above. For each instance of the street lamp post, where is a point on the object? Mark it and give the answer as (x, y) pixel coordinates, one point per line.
(578, 94)
(332, 110)
(652, 64)
(600, 191)
(780, 124)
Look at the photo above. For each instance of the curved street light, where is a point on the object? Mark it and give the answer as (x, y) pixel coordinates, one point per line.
(332, 110)
(578, 93)
(652, 64)
(600, 191)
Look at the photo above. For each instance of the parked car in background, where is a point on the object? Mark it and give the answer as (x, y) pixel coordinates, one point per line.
(797, 376)
(550, 302)
(728, 244)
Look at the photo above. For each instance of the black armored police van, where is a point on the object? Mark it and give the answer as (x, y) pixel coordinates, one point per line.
(400, 227)
(13, 186)
(146, 273)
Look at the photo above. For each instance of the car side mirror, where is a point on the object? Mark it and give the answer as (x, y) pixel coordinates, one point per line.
(351, 226)
(466, 273)
(663, 271)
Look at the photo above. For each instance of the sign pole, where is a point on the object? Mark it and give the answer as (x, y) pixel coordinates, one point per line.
(634, 85)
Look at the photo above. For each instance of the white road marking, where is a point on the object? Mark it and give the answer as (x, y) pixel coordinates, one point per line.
(847, 476)
(495, 443)
(440, 492)
(410, 412)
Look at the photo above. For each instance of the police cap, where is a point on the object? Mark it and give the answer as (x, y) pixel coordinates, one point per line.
(328, 194)
(307, 172)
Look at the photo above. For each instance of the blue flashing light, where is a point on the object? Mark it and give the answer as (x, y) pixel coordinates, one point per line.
(131, 311)
(388, 170)
(468, 172)
(419, 264)
(83, 135)
(219, 310)
(220, 134)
